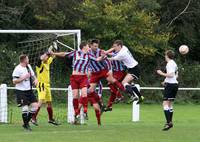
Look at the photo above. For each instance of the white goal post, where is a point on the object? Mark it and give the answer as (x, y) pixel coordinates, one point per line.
(3, 104)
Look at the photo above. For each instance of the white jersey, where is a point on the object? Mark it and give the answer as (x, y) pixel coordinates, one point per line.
(21, 71)
(171, 67)
(125, 56)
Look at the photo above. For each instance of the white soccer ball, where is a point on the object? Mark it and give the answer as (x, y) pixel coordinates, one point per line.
(183, 49)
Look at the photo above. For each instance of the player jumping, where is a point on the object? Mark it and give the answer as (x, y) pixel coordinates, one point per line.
(118, 73)
(124, 55)
(43, 87)
(79, 80)
(101, 70)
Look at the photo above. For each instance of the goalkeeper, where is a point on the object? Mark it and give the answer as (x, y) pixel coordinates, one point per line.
(43, 87)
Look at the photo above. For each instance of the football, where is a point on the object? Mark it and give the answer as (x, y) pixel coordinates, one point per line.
(183, 49)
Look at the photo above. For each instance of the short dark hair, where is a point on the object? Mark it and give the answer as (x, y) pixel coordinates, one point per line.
(118, 42)
(170, 54)
(22, 57)
(97, 41)
(83, 44)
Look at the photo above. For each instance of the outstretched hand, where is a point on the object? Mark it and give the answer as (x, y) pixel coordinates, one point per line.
(159, 72)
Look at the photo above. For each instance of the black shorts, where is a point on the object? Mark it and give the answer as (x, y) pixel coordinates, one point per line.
(25, 97)
(135, 72)
(170, 91)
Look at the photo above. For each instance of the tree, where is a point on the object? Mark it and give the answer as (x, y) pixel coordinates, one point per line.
(126, 20)
(185, 28)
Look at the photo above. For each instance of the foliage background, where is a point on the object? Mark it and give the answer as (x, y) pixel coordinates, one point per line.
(141, 24)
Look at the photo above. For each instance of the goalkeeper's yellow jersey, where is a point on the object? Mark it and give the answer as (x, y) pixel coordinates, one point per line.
(43, 71)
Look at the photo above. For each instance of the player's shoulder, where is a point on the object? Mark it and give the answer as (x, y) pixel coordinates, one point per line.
(124, 47)
(18, 67)
(171, 63)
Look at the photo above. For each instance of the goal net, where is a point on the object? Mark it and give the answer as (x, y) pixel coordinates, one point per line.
(33, 43)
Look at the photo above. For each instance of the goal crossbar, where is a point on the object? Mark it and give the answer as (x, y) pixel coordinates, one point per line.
(40, 31)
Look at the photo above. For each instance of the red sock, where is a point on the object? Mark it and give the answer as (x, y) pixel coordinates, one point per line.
(75, 104)
(97, 98)
(119, 85)
(85, 104)
(118, 94)
(111, 99)
(50, 112)
(35, 114)
(98, 116)
(113, 89)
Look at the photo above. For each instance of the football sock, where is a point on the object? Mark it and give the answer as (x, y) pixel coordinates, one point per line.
(167, 114)
(111, 99)
(136, 90)
(98, 116)
(25, 117)
(118, 94)
(171, 114)
(119, 85)
(75, 104)
(50, 112)
(85, 104)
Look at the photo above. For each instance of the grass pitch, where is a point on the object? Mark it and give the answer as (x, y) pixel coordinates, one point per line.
(116, 126)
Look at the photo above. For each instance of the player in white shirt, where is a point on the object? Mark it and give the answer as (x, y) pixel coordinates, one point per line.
(24, 78)
(124, 55)
(171, 87)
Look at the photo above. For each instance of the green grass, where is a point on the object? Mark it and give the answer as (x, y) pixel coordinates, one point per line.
(117, 127)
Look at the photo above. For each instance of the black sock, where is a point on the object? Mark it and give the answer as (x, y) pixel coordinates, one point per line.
(136, 90)
(171, 114)
(25, 118)
(167, 115)
(129, 90)
(30, 115)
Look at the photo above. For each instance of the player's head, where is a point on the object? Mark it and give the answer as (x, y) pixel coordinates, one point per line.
(117, 45)
(23, 58)
(84, 46)
(169, 55)
(94, 44)
(44, 56)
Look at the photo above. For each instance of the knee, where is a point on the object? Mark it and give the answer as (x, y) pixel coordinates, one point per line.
(165, 105)
(25, 108)
(96, 106)
(84, 94)
(91, 90)
(34, 107)
(49, 104)
(75, 95)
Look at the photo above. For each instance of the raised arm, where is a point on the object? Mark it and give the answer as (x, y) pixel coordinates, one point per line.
(58, 54)
(109, 50)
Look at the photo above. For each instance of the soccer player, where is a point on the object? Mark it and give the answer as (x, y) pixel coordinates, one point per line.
(171, 87)
(79, 80)
(24, 78)
(100, 70)
(43, 87)
(124, 55)
(118, 73)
